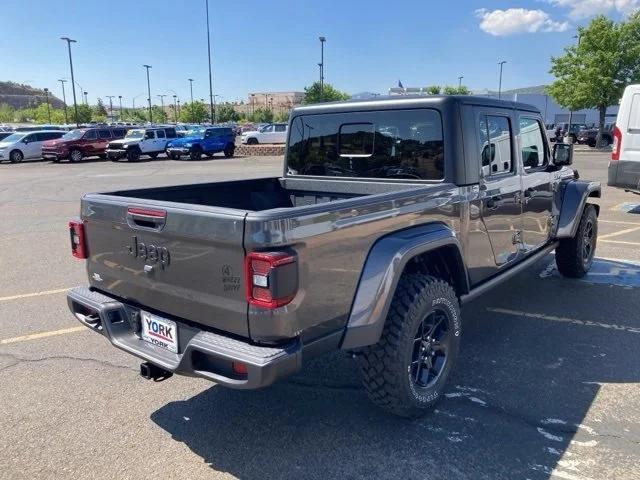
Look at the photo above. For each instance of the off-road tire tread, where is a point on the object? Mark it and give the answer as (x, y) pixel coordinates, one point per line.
(568, 254)
(382, 364)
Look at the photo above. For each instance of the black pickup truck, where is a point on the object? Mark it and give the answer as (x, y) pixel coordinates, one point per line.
(389, 215)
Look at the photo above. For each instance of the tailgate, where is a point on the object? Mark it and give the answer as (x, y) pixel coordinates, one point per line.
(175, 259)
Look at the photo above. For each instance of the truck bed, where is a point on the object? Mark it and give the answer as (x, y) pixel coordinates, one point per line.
(260, 194)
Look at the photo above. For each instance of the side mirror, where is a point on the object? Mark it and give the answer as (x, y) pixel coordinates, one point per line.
(25, 140)
(562, 154)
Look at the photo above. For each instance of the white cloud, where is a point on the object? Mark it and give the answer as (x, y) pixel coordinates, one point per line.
(580, 9)
(518, 20)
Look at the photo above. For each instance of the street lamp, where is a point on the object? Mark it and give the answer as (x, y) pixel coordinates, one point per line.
(46, 96)
(500, 82)
(86, 98)
(149, 92)
(73, 85)
(120, 112)
(253, 103)
(460, 82)
(209, 55)
(161, 102)
(215, 111)
(322, 40)
(191, 87)
(568, 135)
(111, 97)
(64, 100)
(175, 109)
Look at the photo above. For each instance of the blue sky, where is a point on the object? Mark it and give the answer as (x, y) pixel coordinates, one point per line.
(259, 45)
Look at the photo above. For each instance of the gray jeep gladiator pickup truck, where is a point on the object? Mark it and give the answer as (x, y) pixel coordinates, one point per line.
(389, 215)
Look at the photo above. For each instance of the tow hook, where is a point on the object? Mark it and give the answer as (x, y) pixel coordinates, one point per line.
(153, 372)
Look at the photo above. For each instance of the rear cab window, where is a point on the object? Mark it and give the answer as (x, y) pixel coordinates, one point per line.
(393, 144)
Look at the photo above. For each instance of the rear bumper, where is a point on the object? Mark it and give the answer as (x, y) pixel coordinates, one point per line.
(200, 353)
(624, 174)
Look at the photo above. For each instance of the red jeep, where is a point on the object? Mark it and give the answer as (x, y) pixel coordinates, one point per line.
(82, 142)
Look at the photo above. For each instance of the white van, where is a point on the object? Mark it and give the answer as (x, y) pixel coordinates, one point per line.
(26, 145)
(624, 167)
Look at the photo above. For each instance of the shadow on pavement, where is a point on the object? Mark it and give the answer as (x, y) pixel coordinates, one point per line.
(516, 403)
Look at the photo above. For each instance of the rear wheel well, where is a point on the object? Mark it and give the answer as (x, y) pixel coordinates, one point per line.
(444, 263)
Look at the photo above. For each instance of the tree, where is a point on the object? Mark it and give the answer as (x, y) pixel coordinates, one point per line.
(594, 73)
(157, 114)
(262, 115)
(461, 90)
(434, 90)
(226, 113)
(329, 94)
(99, 109)
(85, 114)
(7, 113)
(282, 117)
(196, 112)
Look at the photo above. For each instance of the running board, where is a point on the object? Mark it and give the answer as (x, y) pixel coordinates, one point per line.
(489, 284)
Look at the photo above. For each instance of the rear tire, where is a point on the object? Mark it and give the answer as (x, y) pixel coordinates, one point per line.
(229, 151)
(406, 372)
(153, 156)
(16, 156)
(75, 155)
(252, 141)
(574, 256)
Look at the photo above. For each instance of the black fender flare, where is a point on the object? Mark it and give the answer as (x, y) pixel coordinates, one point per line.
(575, 195)
(381, 272)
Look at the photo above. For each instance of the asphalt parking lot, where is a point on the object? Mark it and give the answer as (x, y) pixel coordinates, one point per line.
(546, 386)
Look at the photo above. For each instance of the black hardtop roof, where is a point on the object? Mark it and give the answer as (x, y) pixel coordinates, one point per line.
(411, 101)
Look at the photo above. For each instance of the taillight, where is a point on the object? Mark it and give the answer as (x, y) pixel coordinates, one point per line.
(78, 240)
(271, 278)
(617, 143)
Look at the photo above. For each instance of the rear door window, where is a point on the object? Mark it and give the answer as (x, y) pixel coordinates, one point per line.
(160, 133)
(170, 132)
(634, 113)
(104, 134)
(281, 128)
(495, 145)
(118, 133)
(394, 144)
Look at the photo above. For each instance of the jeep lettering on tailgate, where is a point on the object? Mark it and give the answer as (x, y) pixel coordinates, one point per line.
(149, 252)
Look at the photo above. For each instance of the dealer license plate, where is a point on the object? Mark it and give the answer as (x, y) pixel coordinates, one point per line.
(159, 331)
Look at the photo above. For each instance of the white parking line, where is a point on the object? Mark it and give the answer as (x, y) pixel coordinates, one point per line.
(35, 294)
(573, 321)
(36, 336)
(621, 232)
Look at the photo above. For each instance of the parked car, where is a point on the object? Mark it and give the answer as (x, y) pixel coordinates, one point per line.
(82, 143)
(150, 141)
(588, 137)
(4, 134)
(21, 146)
(207, 141)
(382, 226)
(624, 167)
(271, 133)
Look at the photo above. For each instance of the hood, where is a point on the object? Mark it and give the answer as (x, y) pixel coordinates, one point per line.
(6, 144)
(251, 132)
(180, 142)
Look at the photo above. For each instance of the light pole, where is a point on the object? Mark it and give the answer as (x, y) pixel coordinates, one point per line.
(64, 100)
(73, 84)
(322, 40)
(46, 96)
(86, 98)
(215, 111)
(120, 102)
(568, 135)
(111, 97)
(209, 55)
(175, 109)
(149, 92)
(253, 104)
(191, 88)
(460, 82)
(178, 107)
(161, 102)
(500, 82)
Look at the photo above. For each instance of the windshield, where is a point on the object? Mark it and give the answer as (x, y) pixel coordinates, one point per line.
(198, 133)
(15, 137)
(135, 134)
(73, 135)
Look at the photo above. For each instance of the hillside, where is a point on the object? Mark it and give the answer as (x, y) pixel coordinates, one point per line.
(24, 96)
